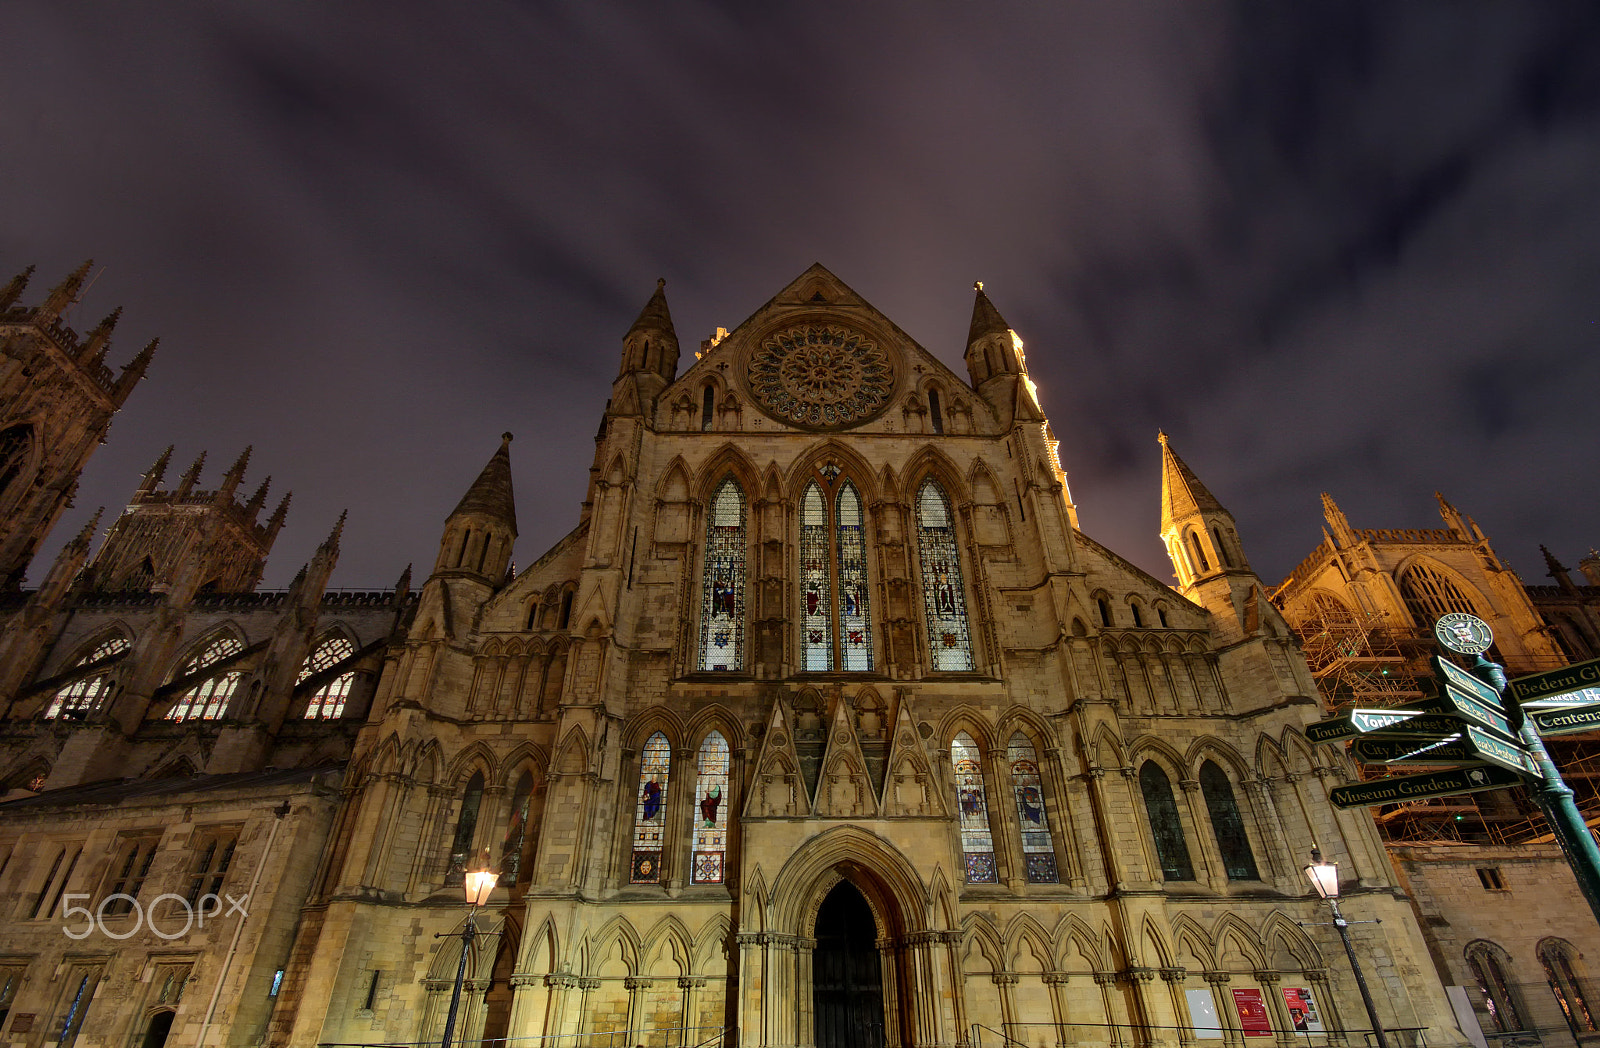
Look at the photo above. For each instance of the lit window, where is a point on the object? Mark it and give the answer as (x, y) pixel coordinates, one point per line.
(855, 621)
(1496, 991)
(516, 830)
(709, 863)
(1431, 594)
(1165, 826)
(722, 589)
(815, 593)
(1232, 841)
(943, 595)
(85, 695)
(834, 565)
(649, 813)
(1557, 956)
(466, 829)
(1038, 848)
(327, 703)
(208, 700)
(977, 843)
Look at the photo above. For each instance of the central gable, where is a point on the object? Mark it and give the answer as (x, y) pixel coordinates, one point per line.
(817, 357)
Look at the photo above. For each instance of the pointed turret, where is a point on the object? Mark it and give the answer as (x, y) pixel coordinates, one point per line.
(1200, 535)
(279, 515)
(134, 370)
(402, 587)
(252, 509)
(996, 365)
(14, 288)
(1339, 530)
(309, 584)
(63, 295)
(1454, 519)
(1558, 571)
(649, 356)
(479, 531)
(99, 340)
(69, 562)
(235, 475)
(156, 474)
(1590, 566)
(191, 476)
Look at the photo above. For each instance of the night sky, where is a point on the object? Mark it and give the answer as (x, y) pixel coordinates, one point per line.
(1340, 246)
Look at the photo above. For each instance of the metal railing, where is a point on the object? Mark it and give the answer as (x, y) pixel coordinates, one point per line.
(648, 1037)
(1016, 1035)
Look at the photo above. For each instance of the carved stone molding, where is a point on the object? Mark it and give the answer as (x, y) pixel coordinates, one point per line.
(1174, 974)
(1217, 978)
(689, 982)
(1055, 978)
(1266, 977)
(638, 982)
(589, 983)
(1004, 978)
(1139, 975)
(562, 980)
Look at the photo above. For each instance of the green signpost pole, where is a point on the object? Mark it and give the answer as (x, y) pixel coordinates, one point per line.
(1554, 796)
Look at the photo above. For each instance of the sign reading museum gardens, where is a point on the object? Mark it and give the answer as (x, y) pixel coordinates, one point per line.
(1399, 788)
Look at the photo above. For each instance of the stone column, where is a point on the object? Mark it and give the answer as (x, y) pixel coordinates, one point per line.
(1144, 1024)
(1322, 996)
(692, 1034)
(1107, 981)
(638, 987)
(1227, 1015)
(678, 822)
(799, 973)
(1177, 1004)
(580, 1025)
(530, 1004)
(1204, 842)
(754, 1021)
(922, 952)
(1283, 1028)
(1281, 849)
(1006, 985)
(1057, 982)
(1063, 822)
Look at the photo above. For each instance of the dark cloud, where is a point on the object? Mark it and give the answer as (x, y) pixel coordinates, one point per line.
(1342, 246)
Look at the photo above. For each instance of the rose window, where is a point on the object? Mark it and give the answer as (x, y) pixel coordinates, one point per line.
(821, 377)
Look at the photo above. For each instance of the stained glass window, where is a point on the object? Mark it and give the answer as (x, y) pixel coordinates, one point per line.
(516, 830)
(1556, 956)
(649, 813)
(816, 647)
(1496, 989)
(1171, 849)
(1234, 844)
(327, 702)
(208, 700)
(84, 695)
(466, 829)
(943, 596)
(722, 597)
(708, 865)
(977, 844)
(1038, 848)
(855, 620)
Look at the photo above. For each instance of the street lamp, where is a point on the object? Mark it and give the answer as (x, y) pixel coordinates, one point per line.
(477, 883)
(1324, 877)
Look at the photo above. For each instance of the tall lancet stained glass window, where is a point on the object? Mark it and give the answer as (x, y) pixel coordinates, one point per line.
(650, 810)
(977, 843)
(943, 596)
(1038, 848)
(816, 605)
(709, 861)
(855, 621)
(722, 596)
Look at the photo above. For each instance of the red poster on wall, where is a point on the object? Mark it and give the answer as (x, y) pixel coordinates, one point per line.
(1253, 1018)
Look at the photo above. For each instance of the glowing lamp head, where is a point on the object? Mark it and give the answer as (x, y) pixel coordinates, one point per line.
(1324, 876)
(479, 881)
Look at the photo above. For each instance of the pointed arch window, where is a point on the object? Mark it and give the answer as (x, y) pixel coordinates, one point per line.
(709, 862)
(649, 811)
(516, 830)
(722, 589)
(16, 445)
(1556, 955)
(1430, 594)
(83, 696)
(466, 828)
(1038, 847)
(1222, 547)
(977, 842)
(208, 700)
(835, 613)
(1172, 852)
(1483, 960)
(1198, 553)
(943, 594)
(327, 702)
(1237, 859)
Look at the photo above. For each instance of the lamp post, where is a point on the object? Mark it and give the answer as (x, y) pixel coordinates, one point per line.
(477, 883)
(1324, 877)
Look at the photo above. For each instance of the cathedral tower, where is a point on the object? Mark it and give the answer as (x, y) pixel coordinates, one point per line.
(57, 397)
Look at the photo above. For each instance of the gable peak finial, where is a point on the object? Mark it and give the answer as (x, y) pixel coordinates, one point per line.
(977, 285)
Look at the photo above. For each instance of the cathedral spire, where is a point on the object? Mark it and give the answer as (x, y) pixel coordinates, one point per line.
(649, 356)
(986, 320)
(995, 364)
(95, 345)
(191, 476)
(279, 515)
(1557, 570)
(1339, 529)
(479, 532)
(490, 495)
(68, 563)
(63, 295)
(157, 472)
(1182, 494)
(14, 288)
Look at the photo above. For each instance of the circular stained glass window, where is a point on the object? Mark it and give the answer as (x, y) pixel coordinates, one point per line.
(820, 376)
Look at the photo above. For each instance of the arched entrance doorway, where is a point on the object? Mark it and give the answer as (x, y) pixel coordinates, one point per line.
(847, 972)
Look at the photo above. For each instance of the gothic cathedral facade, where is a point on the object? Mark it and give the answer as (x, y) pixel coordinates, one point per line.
(827, 725)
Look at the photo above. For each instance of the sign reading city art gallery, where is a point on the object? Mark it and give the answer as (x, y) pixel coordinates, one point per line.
(1400, 788)
(1253, 1017)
